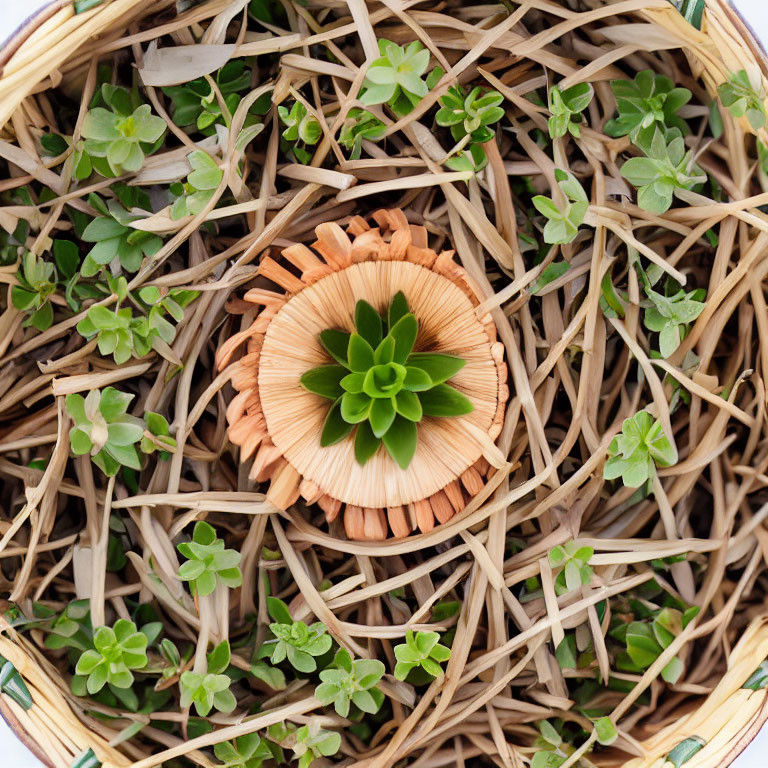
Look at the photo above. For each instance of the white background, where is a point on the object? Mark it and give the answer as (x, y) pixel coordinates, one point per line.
(12, 14)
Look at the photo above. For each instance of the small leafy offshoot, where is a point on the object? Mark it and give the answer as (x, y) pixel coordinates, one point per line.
(566, 108)
(563, 226)
(312, 741)
(104, 429)
(351, 682)
(202, 181)
(396, 77)
(122, 135)
(248, 751)
(553, 751)
(638, 450)
(206, 691)
(36, 284)
(294, 640)
(670, 316)
(470, 115)
(208, 563)
(12, 684)
(605, 731)
(420, 649)
(572, 562)
(117, 244)
(159, 438)
(117, 650)
(666, 169)
(380, 386)
(195, 102)
(360, 125)
(742, 99)
(646, 640)
(302, 130)
(648, 100)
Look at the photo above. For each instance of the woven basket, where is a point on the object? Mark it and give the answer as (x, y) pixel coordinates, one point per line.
(56, 727)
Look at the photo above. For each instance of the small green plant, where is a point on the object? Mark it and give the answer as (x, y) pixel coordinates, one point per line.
(470, 114)
(381, 386)
(202, 181)
(206, 691)
(566, 108)
(117, 244)
(645, 640)
(351, 682)
(104, 430)
(638, 450)
(742, 98)
(648, 100)
(313, 741)
(294, 640)
(160, 436)
(36, 284)
(360, 125)
(420, 649)
(302, 130)
(117, 650)
(396, 77)
(195, 102)
(121, 135)
(563, 226)
(605, 731)
(670, 316)
(573, 564)
(553, 751)
(666, 169)
(248, 751)
(208, 563)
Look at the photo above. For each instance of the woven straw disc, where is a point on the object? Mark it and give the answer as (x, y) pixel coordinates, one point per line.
(447, 323)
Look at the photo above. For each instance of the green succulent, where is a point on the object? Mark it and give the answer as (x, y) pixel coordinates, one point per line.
(206, 691)
(359, 125)
(421, 649)
(396, 77)
(248, 751)
(312, 741)
(117, 244)
(121, 135)
(208, 563)
(302, 130)
(294, 640)
(158, 427)
(563, 226)
(553, 751)
(351, 682)
(36, 284)
(743, 99)
(470, 114)
(195, 102)
(638, 450)
(566, 108)
(666, 169)
(104, 430)
(381, 386)
(572, 561)
(117, 650)
(670, 316)
(198, 190)
(647, 101)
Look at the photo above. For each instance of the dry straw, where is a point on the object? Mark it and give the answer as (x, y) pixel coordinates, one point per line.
(573, 379)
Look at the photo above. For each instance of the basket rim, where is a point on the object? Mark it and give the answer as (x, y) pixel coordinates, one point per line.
(10, 45)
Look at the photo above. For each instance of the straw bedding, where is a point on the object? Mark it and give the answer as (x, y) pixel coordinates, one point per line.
(575, 372)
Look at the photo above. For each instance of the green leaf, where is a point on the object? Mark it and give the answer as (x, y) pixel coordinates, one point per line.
(366, 443)
(444, 400)
(408, 405)
(398, 308)
(335, 428)
(360, 354)
(400, 441)
(438, 367)
(685, 750)
(325, 381)
(355, 408)
(368, 323)
(336, 344)
(606, 731)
